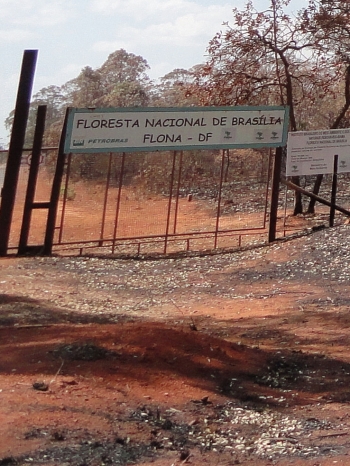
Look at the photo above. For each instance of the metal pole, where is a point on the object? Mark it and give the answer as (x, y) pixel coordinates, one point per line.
(104, 212)
(117, 211)
(169, 204)
(217, 225)
(64, 197)
(55, 192)
(16, 146)
(32, 178)
(178, 192)
(275, 194)
(334, 191)
(267, 186)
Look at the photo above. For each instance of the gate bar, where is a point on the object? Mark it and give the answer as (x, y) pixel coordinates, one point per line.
(314, 196)
(106, 199)
(225, 151)
(117, 210)
(55, 192)
(178, 192)
(65, 196)
(169, 204)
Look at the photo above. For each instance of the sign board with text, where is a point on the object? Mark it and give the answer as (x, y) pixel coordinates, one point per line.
(312, 152)
(154, 129)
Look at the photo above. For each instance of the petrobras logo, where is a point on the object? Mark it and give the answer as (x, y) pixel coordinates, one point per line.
(78, 142)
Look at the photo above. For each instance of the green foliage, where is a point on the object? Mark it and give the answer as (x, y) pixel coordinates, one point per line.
(69, 195)
(120, 82)
(172, 90)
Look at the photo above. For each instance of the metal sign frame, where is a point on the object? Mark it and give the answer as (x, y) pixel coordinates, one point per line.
(99, 130)
(312, 152)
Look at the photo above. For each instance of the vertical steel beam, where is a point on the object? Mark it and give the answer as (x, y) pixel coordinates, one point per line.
(32, 178)
(16, 146)
(275, 194)
(268, 178)
(334, 191)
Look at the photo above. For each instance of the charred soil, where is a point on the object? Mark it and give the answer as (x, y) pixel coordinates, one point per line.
(237, 358)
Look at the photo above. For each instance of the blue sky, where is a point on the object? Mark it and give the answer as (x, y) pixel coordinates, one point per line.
(71, 34)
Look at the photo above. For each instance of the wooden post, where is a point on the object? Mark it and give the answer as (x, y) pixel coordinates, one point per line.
(275, 194)
(313, 196)
(16, 147)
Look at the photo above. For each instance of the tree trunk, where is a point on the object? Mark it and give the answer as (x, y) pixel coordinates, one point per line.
(298, 203)
(316, 190)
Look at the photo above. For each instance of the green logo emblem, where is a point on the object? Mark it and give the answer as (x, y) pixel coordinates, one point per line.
(78, 142)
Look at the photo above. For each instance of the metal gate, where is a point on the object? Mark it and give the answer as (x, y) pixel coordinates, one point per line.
(163, 202)
(156, 203)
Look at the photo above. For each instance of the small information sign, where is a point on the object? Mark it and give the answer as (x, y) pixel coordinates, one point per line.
(312, 152)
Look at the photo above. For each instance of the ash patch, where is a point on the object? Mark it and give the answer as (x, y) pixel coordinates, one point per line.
(92, 452)
(82, 352)
(231, 429)
(283, 372)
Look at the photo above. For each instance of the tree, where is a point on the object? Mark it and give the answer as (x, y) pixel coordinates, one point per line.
(50, 96)
(120, 82)
(268, 57)
(85, 89)
(172, 90)
(328, 23)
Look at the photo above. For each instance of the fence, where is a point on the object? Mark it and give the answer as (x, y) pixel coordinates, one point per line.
(145, 203)
(163, 202)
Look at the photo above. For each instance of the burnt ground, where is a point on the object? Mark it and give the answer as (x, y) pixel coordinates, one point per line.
(239, 358)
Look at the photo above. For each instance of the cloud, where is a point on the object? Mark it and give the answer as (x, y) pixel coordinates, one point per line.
(35, 13)
(16, 35)
(155, 10)
(186, 30)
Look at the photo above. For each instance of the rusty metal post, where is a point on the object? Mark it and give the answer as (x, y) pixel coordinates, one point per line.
(64, 197)
(217, 224)
(16, 146)
(117, 210)
(178, 192)
(105, 201)
(169, 203)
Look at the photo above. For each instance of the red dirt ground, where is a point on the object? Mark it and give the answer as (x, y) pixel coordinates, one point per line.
(150, 389)
(91, 392)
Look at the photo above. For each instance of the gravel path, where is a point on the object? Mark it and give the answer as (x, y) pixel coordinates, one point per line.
(115, 287)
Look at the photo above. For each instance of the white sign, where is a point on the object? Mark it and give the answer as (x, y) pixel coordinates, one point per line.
(147, 129)
(312, 152)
